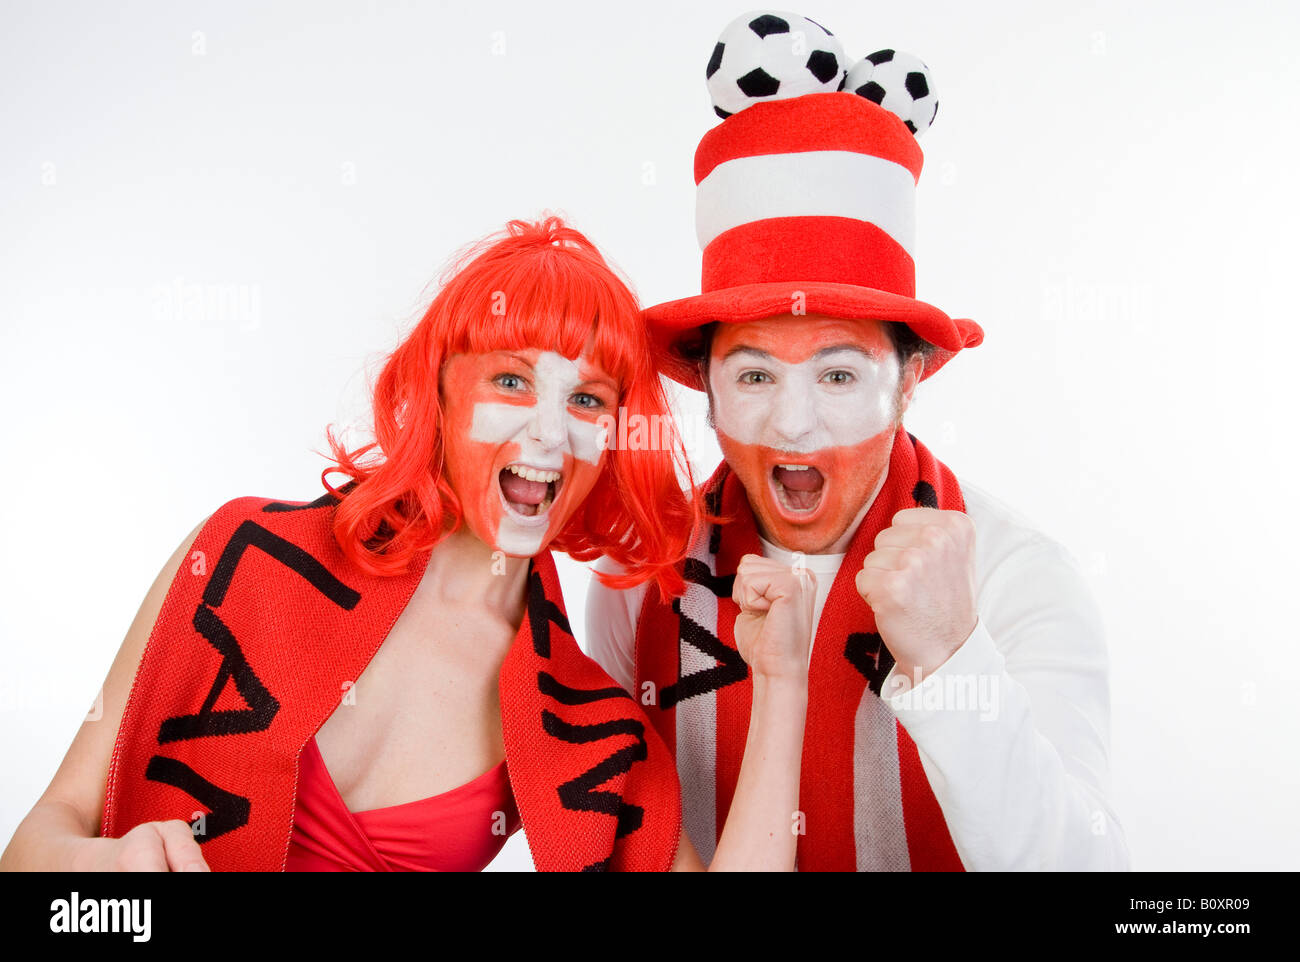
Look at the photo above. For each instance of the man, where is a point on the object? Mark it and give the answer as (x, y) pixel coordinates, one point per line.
(957, 695)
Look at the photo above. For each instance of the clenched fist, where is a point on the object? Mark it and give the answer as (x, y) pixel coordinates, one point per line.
(920, 582)
(775, 626)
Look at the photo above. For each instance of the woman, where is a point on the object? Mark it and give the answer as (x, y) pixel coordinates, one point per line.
(384, 678)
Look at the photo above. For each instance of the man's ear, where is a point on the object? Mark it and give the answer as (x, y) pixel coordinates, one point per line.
(911, 377)
(703, 367)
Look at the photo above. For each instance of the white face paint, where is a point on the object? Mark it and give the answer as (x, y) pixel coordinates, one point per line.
(542, 429)
(838, 397)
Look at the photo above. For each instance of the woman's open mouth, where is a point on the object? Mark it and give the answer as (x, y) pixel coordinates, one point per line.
(528, 491)
(798, 489)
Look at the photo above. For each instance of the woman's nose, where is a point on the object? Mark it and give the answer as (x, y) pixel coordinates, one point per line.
(547, 425)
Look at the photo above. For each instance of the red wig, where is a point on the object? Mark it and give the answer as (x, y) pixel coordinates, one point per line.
(540, 285)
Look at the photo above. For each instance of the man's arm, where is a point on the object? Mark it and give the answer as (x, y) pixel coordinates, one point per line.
(1021, 774)
(611, 617)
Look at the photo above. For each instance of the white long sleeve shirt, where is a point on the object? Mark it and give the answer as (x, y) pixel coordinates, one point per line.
(1021, 771)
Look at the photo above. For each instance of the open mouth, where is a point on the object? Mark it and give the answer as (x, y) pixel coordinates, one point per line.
(798, 487)
(528, 491)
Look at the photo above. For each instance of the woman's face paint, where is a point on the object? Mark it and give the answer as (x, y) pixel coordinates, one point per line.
(805, 409)
(522, 446)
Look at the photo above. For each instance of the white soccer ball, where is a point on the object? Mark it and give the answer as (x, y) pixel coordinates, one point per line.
(772, 55)
(900, 83)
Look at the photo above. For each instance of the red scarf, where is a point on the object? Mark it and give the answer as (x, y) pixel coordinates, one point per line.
(865, 799)
(268, 602)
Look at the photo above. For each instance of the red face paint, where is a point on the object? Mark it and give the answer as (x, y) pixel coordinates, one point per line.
(848, 477)
(520, 443)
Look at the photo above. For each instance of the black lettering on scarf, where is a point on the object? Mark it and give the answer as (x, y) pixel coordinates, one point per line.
(731, 667)
(250, 533)
(542, 613)
(713, 505)
(548, 684)
(866, 651)
(325, 500)
(697, 572)
(582, 793)
(228, 810)
(262, 705)
(924, 495)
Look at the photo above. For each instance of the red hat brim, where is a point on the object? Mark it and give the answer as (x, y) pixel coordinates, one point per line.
(675, 325)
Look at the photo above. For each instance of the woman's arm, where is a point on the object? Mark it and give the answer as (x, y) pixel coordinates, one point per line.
(61, 831)
(773, 633)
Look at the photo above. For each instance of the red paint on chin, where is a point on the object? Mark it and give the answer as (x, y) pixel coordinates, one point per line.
(850, 475)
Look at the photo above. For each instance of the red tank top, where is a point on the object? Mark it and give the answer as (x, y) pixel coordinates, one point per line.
(460, 830)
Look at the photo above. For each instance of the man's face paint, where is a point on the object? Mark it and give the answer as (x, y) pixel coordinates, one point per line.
(805, 410)
(522, 445)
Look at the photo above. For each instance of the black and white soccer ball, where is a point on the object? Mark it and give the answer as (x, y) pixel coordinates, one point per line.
(900, 83)
(772, 55)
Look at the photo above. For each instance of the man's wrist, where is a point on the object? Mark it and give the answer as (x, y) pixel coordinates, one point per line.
(916, 671)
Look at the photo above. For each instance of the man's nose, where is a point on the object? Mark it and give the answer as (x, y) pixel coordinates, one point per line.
(793, 418)
(547, 425)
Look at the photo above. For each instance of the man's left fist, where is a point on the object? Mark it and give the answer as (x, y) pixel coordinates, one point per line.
(920, 582)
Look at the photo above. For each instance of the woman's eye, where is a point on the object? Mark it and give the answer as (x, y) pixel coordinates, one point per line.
(511, 382)
(588, 401)
(839, 377)
(753, 377)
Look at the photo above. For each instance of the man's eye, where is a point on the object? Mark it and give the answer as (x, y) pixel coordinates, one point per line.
(839, 377)
(753, 377)
(588, 401)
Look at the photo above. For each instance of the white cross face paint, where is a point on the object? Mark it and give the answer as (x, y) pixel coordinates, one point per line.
(522, 442)
(557, 377)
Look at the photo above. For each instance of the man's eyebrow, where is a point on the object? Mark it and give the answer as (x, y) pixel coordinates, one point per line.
(761, 355)
(743, 349)
(871, 352)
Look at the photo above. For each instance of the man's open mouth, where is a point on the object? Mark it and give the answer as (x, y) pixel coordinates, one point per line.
(798, 487)
(528, 491)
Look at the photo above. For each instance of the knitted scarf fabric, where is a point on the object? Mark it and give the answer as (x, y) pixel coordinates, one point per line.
(864, 798)
(265, 627)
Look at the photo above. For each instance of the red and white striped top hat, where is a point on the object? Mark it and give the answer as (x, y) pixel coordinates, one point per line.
(808, 202)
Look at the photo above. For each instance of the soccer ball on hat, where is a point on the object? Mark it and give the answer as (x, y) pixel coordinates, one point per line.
(772, 55)
(900, 83)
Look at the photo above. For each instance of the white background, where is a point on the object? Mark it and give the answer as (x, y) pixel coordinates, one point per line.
(1109, 190)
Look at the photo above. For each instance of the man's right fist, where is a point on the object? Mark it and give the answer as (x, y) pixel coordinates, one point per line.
(775, 626)
(149, 847)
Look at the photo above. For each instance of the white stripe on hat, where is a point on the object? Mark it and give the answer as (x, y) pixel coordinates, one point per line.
(836, 183)
(879, 836)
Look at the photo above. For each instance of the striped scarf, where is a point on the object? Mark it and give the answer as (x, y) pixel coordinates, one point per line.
(865, 802)
(264, 628)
